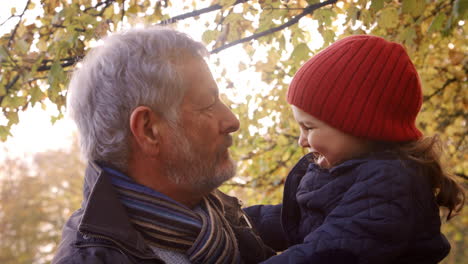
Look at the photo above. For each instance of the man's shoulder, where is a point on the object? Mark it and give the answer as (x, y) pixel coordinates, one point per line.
(96, 254)
(76, 247)
(95, 251)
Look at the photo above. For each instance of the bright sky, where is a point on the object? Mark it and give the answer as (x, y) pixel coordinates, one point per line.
(35, 133)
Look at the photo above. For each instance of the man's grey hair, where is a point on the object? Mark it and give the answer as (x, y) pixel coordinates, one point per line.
(130, 69)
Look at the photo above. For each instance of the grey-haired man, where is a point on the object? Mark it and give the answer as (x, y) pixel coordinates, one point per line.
(156, 136)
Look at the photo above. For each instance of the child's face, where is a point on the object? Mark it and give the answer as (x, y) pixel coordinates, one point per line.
(330, 145)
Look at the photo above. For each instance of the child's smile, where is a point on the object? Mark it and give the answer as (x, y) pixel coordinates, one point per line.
(329, 145)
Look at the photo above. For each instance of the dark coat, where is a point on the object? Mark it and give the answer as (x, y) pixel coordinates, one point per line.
(101, 232)
(372, 210)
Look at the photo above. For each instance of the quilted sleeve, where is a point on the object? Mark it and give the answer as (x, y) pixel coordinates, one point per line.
(373, 220)
(267, 220)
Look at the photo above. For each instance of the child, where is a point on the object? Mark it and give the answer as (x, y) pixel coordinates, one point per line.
(370, 189)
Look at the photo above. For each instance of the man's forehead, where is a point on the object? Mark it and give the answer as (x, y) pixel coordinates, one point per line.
(198, 80)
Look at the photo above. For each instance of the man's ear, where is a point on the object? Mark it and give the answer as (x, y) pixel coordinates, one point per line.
(144, 127)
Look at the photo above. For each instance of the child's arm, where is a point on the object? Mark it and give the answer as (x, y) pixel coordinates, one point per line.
(267, 220)
(373, 221)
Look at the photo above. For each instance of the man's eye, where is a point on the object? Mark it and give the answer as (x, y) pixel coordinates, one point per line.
(211, 106)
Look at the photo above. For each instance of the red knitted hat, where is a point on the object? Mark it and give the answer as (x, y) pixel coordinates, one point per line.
(362, 85)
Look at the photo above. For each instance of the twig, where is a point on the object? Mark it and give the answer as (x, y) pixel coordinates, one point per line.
(196, 13)
(107, 3)
(460, 142)
(62, 26)
(447, 83)
(123, 11)
(6, 20)
(8, 87)
(17, 25)
(68, 62)
(291, 22)
(105, 7)
(461, 175)
(252, 154)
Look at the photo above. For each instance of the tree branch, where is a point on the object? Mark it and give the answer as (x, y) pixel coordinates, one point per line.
(17, 25)
(196, 13)
(123, 11)
(62, 26)
(447, 83)
(72, 60)
(252, 154)
(294, 20)
(66, 63)
(6, 20)
(107, 3)
(8, 87)
(461, 175)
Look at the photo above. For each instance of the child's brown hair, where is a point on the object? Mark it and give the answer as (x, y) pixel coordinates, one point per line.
(427, 152)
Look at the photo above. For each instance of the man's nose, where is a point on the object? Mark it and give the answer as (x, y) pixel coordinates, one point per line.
(229, 122)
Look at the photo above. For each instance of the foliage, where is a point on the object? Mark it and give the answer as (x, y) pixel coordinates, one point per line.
(277, 37)
(36, 197)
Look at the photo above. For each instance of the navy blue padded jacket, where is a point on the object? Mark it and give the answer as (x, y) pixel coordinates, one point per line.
(377, 209)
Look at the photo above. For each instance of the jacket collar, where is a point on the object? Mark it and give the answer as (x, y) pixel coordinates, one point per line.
(104, 216)
(352, 163)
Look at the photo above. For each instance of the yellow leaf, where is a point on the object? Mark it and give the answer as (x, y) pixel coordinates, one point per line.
(388, 18)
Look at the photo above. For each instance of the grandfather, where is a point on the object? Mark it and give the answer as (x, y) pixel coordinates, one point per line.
(156, 136)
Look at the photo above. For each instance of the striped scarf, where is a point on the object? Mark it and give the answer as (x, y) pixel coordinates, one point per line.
(204, 234)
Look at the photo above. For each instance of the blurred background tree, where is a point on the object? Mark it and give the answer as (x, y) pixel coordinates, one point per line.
(36, 198)
(276, 38)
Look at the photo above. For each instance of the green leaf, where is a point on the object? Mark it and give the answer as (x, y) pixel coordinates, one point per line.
(3, 53)
(56, 70)
(282, 42)
(233, 18)
(413, 7)
(4, 132)
(21, 46)
(2, 89)
(209, 36)
(376, 5)
(87, 19)
(407, 36)
(300, 53)
(109, 12)
(56, 80)
(328, 37)
(325, 16)
(352, 13)
(133, 9)
(54, 119)
(388, 18)
(12, 118)
(36, 95)
(265, 21)
(13, 101)
(226, 3)
(460, 9)
(437, 23)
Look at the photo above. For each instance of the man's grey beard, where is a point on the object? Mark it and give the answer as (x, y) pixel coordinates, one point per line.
(186, 167)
